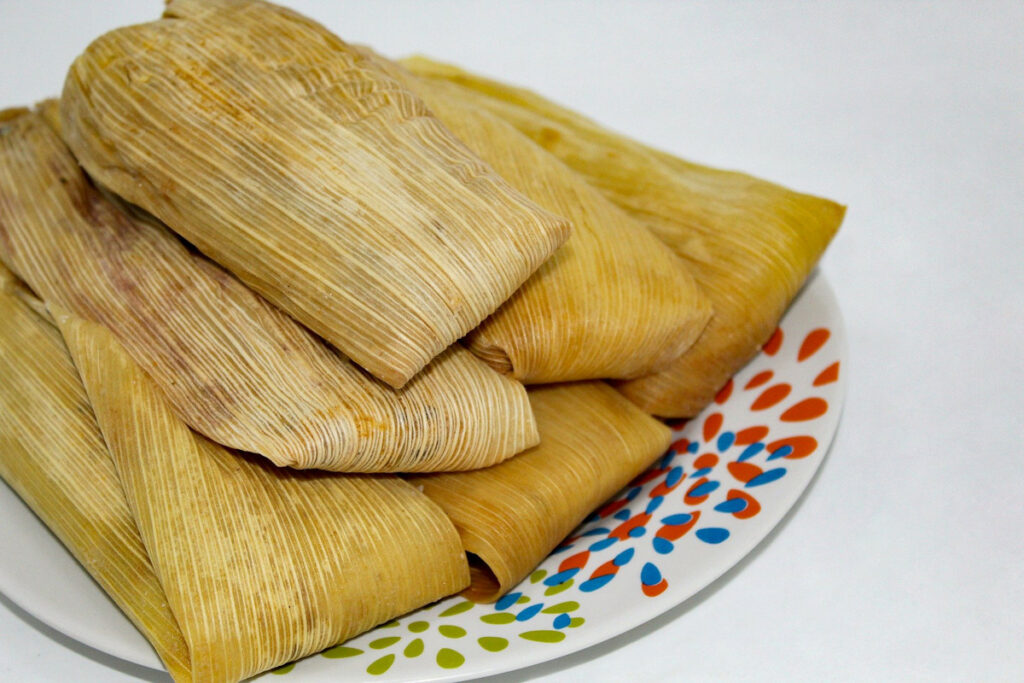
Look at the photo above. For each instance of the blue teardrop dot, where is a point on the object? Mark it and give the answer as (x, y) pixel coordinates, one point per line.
(593, 584)
(712, 534)
(624, 557)
(732, 505)
(750, 451)
(553, 580)
(705, 488)
(650, 575)
(677, 519)
(725, 441)
(674, 475)
(766, 477)
(529, 612)
(507, 601)
(662, 546)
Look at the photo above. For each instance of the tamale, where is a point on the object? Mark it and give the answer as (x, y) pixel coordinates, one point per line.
(235, 368)
(613, 301)
(749, 243)
(260, 565)
(288, 158)
(510, 516)
(53, 455)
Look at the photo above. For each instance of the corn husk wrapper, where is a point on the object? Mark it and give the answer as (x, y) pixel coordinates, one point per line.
(285, 156)
(260, 565)
(749, 243)
(512, 515)
(53, 455)
(613, 301)
(235, 368)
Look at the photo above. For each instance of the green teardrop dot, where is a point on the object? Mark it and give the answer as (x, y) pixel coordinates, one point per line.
(576, 621)
(457, 609)
(498, 618)
(381, 665)
(562, 607)
(449, 659)
(340, 652)
(382, 643)
(449, 631)
(281, 670)
(558, 588)
(414, 649)
(538, 575)
(493, 643)
(522, 600)
(543, 636)
(419, 626)
(391, 624)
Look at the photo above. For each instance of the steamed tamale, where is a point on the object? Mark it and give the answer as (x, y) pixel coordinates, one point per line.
(259, 565)
(510, 516)
(52, 454)
(749, 243)
(613, 301)
(322, 183)
(234, 367)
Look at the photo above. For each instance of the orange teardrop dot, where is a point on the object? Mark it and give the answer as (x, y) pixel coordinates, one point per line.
(771, 396)
(706, 460)
(759, 379)
(753, 507)
(680, 445)
(743, 471)
(771, 347)
(712, 425)
(802, 446)
(750, 435)
(828, 375)
(807, 409)
(723, 394)
(814, 340)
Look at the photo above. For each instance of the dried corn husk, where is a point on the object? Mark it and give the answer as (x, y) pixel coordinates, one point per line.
(749, 243)
(235, 368)
(52, 454)
(613, 301)
(320, 182)
(260, 565)
(510, 516)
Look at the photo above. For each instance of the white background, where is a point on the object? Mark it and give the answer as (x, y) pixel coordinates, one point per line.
(906, 558)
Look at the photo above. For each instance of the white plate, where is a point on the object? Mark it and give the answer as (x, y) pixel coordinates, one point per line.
(730, 477)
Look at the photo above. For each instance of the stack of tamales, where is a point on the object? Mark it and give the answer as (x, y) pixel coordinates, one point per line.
(255, 278)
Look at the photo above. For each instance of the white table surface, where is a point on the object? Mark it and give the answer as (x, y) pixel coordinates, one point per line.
(905, 560)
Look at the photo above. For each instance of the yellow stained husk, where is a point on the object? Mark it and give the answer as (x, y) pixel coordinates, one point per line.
(227, 565)
(749, 243)
(260, 565)
(613, 301)
(510, 516)
(234, 367)
(53, 455)
(326, 186)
